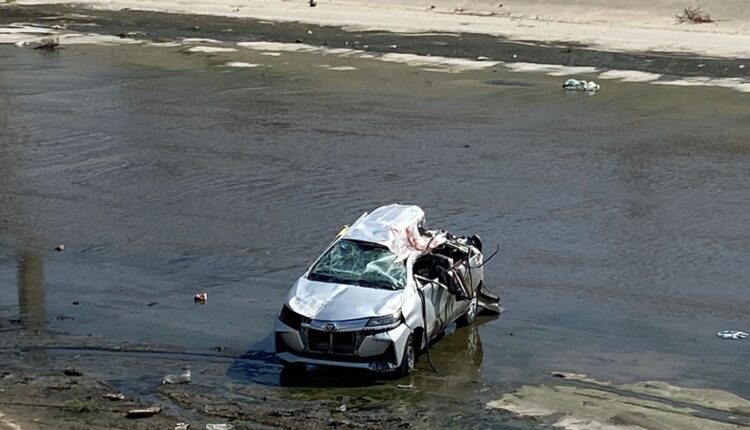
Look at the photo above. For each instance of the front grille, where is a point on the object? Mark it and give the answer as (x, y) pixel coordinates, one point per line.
(333, 343)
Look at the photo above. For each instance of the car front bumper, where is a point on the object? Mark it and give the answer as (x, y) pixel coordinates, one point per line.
(375, 351)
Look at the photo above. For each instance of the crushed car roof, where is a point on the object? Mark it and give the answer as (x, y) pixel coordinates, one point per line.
(394, 226)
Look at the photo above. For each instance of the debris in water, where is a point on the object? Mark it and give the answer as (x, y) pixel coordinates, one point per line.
(313, 3)
(201, 298)
(409, 386)
(143, 413)
(181, 426)
(219, 427)
(694, 15)
(342, 408)
(182, 378)
(72, 372)
(49, 44)
(559, 375)
(151, 304)
(114, 396)
(309, 32)
(60, 248)
(581, 85)
(732, 334)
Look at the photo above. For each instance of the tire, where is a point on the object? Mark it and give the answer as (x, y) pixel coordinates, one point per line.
(408, 360)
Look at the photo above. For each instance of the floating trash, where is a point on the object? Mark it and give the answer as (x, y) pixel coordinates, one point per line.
(143, 413)
(182, 378)
(732, 334)
(581, 85)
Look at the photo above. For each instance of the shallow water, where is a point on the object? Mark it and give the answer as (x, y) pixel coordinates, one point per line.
(622, 218)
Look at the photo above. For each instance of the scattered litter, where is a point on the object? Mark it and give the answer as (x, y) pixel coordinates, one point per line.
(741, 66)
(219, 427)
(732, 334)
(49, 44)
(342, 408)
(313, 3)
(580, 85)
(409, 386)
(394, 46)
(309, 32)
(483, 58)
(60, 248)
(182, 378)
(201, 298)
(72, 372)
(694, 15)
(181, 426)
(559, 375)
(143, 413)
(114, 396)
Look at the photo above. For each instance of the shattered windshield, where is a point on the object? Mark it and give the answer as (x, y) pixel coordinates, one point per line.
(360, 263)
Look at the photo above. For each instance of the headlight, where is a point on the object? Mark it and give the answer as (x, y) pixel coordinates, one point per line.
(387, 321)
(291, 318)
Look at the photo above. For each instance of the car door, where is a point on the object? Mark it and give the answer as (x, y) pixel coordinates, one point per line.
(438, 300)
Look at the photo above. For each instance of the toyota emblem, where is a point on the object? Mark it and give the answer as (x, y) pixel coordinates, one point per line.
(330, 326)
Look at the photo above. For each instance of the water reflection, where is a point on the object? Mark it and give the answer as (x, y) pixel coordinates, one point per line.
(457, 356)
(31, 298)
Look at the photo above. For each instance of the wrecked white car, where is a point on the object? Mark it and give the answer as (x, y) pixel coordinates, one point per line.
(384, 288)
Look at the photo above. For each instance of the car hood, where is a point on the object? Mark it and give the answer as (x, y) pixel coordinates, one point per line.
(338, 302)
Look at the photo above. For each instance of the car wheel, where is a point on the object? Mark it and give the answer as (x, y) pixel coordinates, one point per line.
(471, 313)
(408, 360)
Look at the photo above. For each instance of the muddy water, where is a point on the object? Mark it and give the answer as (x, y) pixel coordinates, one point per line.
(622, 218)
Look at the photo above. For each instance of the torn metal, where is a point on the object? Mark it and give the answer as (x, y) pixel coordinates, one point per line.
(381, 291)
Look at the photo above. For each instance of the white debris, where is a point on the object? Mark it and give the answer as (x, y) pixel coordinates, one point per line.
(580, 85)
(732, 334)
(182, 378)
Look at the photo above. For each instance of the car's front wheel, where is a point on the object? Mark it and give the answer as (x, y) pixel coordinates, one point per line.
(408, 360)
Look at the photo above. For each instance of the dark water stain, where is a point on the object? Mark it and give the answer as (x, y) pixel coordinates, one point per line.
(507, 83)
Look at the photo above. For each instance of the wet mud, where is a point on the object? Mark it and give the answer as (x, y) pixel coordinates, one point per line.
(163, 27)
